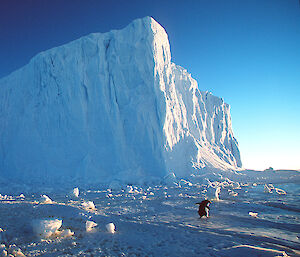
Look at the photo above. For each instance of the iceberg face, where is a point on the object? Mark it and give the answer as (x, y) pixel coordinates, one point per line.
(111, 106)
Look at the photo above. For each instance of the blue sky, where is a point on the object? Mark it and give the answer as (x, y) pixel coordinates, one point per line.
(247, 52)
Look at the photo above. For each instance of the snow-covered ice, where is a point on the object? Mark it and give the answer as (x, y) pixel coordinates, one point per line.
(160, 219)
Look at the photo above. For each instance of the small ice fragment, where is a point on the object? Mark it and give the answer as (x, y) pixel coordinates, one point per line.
(89, 205)
(46, 228)
(21, 196)
(66, 233)
(90, 225)
(75, 192)
(46, 199)
(218, 190)
(253, 214)
(129, 189)
(280, 191)
(110, 227)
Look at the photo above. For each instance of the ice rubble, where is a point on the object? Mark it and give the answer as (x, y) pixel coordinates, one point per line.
(111, 106)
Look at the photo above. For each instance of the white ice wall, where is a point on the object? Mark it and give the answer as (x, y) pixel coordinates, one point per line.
(110, 106)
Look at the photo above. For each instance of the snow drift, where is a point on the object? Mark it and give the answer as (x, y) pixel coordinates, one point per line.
(111, 106)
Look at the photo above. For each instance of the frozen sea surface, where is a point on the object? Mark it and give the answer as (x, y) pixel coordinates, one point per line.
(159, 221)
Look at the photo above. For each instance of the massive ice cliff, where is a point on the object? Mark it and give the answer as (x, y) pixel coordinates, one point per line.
(111, 106)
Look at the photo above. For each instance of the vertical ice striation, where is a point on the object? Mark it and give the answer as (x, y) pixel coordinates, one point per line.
(111, 106)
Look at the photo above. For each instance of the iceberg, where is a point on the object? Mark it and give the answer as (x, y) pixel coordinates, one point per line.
(111, 106)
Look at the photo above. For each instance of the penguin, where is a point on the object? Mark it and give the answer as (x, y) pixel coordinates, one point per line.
(204, 208)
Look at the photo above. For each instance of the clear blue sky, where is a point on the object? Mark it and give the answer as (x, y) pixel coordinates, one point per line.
(247, 52)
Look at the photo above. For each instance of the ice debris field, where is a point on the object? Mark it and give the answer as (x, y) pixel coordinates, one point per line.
(247, 218)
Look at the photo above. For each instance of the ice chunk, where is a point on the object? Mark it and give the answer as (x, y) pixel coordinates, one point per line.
(47, 227)
(253, 214)
(129, 190)
(218, 190)
(66, 233)
(75, 192)
(46, 199)
(110, 227)
(89, 205)
(280, 191)
(90, 225)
